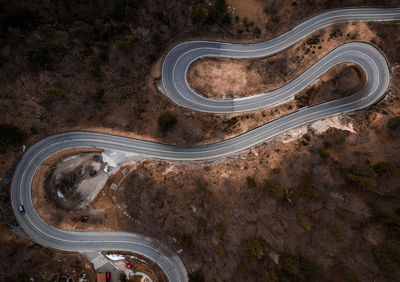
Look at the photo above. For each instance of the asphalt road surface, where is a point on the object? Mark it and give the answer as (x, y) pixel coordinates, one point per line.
(174, 81)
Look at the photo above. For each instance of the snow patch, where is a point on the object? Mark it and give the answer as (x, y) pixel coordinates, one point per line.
(115, 257)
(60, 194)
(115, 158)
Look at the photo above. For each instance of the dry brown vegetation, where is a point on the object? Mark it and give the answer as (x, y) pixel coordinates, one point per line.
(99, 75)
(23, 259)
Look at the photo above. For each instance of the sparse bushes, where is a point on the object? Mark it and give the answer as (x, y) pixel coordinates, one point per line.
(201, 222)
(335, 231)
(256, 248)
(295, 267)
(10, 136)
(84, 31)
(323, 153)
(276, 170)
(3, 60)
(342, 214)
(158, 39)
(306, 187)
(390, 222)
(268, 275)
(53, 92)
(385, 169)
(242, 267)
(50, 94)
(196, 276)
(394, 126)
(304, 222)
(231, 122)
(111, 29)
(251, 182)
(275, 19)
(387, 256)
(309, 270)
(43, 55)
(291, 266)
(124, 9)
(127, 45)
(95, 64)
(221, 229)
(17, 17)
(314, 40)
(185, 240)
(198, 14)
(363, 177)
(166, 121)
(304, 100)
(217, 11)
(275, 189)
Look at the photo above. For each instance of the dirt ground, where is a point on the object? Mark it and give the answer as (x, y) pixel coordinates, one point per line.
(120, 97)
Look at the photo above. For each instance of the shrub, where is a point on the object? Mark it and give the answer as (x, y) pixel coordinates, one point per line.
(323, 153)
(185, 240)
(309, 270)
(17, 17)
(385, 169)
(221, 229)
(158, 39)
(304, 100)
(251, 182)
(306, 187)
(304, 222)
(231, 122)
(42, 55)
(196, 276)
(363, 177)
(242, 267)
(53, 92)
(342, 214)
(335, 232)
(3, 60)
(124, 9)
(256, 248)
(217, 11)
(394, 126)
(201, 222)
(268, 275)
(84, 31)
(291, 265)
(110, 30)
(198, 14)
(349, 276)
(166, 121)
(314, 40)
(127, 45)
(275, 19)
(275, 189)
(276, 170)
(387, 256)
(392, 223)
(10, 136)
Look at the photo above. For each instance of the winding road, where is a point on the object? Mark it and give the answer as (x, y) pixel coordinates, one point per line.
(174, 69)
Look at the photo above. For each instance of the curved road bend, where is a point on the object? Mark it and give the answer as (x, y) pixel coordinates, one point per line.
(365, 55)
(177, 61)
